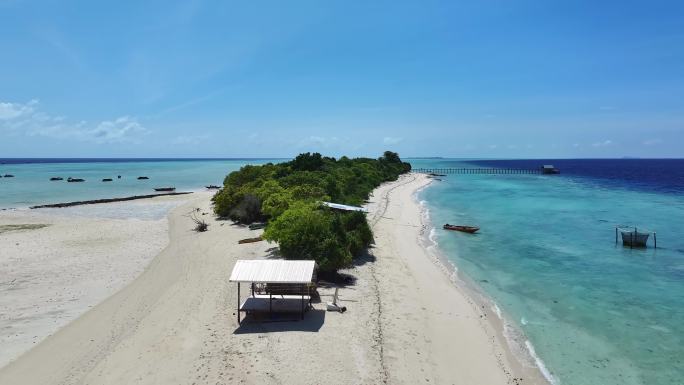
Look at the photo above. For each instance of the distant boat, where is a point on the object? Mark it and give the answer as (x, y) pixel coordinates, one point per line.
(107, 179)
(71, 180)
(549, 169)
(142, 177)
(165, 189)
(212, 187)
(465, 229)
(56, 178)
(9, 176)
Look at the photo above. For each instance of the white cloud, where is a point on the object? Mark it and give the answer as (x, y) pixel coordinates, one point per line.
(27, 119)
(15, 110)
(652, 142)
(123, 129)
(605, 143)
(389, 140)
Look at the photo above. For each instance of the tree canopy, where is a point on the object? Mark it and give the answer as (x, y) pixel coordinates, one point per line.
(287, 195)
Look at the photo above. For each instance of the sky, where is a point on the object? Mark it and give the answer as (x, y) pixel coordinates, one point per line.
(481, 78)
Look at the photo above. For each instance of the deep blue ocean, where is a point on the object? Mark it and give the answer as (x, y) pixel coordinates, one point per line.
(594, 311)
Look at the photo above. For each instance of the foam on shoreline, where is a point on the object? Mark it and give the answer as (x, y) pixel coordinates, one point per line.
(518, 344)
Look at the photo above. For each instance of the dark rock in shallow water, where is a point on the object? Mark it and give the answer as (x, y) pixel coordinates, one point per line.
(109, 200)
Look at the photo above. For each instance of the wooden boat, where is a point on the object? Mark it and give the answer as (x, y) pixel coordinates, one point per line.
(250, 240)
(107, 179)
(465, 229)
(9, 176)
(257, 226)
(165, 189)
(71, 180)
(56, 178)
(142, 177)
(212, 187)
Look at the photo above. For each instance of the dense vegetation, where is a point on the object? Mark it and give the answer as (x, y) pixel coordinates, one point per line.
(288, 196)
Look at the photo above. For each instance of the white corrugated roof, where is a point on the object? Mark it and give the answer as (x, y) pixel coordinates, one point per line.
(275, 271)
(340, 206)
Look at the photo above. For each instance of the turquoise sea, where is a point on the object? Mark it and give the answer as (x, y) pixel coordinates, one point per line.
(31, 183)
(594, 312)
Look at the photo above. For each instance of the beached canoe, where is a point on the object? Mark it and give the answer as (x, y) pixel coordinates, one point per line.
(165, 189)
(465, 229)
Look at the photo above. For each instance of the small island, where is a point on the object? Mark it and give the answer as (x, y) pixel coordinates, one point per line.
(288, 197)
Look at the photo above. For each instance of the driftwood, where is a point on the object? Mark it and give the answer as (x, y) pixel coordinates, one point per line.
(250, 240)
(109, 200)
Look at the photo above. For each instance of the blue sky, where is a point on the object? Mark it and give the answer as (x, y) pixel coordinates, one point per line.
(478, 78)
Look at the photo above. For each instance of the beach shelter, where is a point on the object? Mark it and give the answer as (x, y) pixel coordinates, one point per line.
(276, 286)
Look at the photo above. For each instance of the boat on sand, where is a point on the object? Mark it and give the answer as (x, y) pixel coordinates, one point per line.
(465, 229)
(165, 189)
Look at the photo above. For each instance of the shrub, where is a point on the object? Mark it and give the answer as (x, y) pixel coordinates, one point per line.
(288, 195)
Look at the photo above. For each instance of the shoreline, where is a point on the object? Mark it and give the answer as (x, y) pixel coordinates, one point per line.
(482, 350)
(519, 347)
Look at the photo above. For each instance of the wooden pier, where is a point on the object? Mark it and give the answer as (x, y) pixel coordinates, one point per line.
(487, 171)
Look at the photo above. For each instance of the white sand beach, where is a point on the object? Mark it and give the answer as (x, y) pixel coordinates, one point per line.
(406, 322)
(55, 264)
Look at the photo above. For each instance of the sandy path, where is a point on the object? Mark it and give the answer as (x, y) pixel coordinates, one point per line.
(175, 324)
